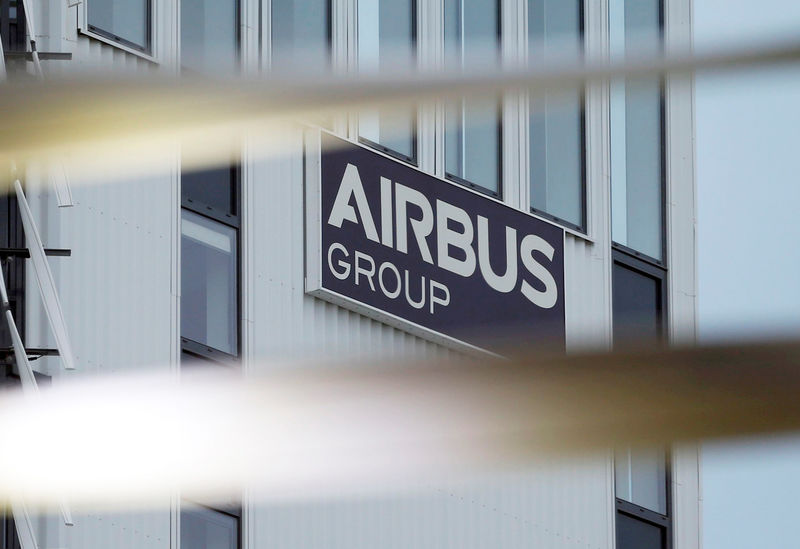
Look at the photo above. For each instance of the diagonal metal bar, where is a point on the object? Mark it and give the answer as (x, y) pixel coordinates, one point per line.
(44, 279)
(23, 365)
(24, 526)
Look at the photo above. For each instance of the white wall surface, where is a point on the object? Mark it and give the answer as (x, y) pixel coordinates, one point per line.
(121, 299)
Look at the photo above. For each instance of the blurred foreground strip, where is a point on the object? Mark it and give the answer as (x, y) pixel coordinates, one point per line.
(334, 430)
(116, 127)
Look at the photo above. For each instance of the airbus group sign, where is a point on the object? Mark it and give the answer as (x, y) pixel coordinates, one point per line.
(427, 255)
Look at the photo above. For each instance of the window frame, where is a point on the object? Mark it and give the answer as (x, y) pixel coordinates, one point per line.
(626, 258)
(238, 18)
(663, 153)
(498, 194)
(195, 348)
(642, 514)
(147, 52)
(583, 228)
(413, 160)
(271, 39)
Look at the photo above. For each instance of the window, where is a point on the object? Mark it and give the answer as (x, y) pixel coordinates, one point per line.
(12, 25)
(210, 35)
(637, 134)
(301, 34)
(643, 517)
(556, 125)
(638, 300)
(125, 21)
(640, 478)
(206, 528)
(472, 126)
(387, 32)
(210, 263)
(12, 236)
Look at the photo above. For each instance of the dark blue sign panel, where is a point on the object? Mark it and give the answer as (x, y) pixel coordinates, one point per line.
(419, 250)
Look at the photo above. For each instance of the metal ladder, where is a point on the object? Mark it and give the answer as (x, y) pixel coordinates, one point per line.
(52, 306)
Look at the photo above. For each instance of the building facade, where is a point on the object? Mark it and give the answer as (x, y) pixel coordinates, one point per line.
(180, 267)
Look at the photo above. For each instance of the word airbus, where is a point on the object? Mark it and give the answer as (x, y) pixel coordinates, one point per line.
(459, 240)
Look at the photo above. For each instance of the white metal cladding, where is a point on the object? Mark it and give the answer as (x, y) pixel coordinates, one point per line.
(120, 292)
(117, 293)
(560, 504)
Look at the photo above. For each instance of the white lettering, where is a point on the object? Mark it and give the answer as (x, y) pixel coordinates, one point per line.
(389, 267)
(368, 273)
(546, 299)
(421, 227)
(445, 300)
(508, 281)
(386, 212)
(345, 266)
(416, 304)
(446, 237)
(342, 210)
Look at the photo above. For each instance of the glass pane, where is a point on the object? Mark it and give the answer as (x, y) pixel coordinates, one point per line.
(206, 529)
(125, 19)
(472, 142)
(386, 41)
(636, 133)
(209, 35)
(641, 477)
(472, 132)
(556, 123)
(208, 282)
(300, 34)
(633, 533)
(215, 188)
(636, 306)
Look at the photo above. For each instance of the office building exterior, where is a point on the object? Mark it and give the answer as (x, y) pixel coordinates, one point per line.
(451, 227)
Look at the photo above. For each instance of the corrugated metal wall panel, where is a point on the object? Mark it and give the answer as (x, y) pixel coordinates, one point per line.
(558, 505)
(115, 290)
(121, 530)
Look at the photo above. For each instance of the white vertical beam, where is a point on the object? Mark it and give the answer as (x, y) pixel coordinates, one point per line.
(44, 279)
(512, 41)
(682, 258)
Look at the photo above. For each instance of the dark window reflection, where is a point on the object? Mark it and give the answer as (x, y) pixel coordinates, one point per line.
(127, 21)
(213, 187)
(209, 282)
(203, 528)
(637, 305)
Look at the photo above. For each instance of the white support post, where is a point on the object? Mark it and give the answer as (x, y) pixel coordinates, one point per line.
(44, 278)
